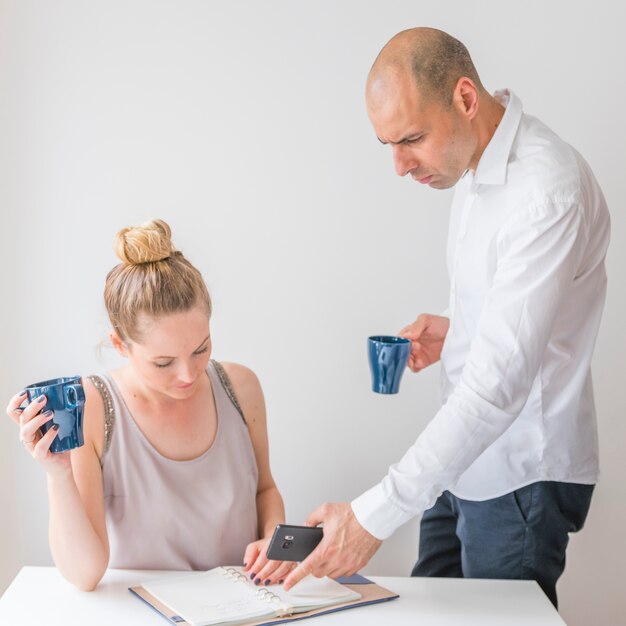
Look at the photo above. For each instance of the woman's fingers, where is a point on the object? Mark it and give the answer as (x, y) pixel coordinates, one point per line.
(14, 408)
(250, 556)
(264, 575)
(257, 567)
(32, 409)
(28, 432)
(279, 573)
(274, 571)
(41, 448)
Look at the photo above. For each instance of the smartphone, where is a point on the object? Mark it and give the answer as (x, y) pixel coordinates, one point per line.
(293, 543)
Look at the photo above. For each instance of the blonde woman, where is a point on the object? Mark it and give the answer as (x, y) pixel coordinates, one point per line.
(174, 472)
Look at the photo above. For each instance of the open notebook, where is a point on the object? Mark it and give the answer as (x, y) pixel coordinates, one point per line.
(226, 596)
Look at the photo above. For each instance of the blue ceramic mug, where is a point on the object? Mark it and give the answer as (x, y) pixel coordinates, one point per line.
(66, 397)
(388, 356)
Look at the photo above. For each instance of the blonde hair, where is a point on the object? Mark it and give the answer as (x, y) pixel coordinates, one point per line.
(153, 278)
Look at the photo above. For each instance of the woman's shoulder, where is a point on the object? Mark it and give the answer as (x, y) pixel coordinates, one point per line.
(93, 396)
(247, 390)
(239, 374)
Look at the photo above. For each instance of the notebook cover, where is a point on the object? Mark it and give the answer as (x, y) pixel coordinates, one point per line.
(371, 593)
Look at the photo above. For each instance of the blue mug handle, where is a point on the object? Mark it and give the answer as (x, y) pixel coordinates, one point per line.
(73, 395)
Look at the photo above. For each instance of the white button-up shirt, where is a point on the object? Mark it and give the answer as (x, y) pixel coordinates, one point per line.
(528, 235)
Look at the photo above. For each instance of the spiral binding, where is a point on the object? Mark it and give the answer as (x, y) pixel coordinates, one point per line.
(264, 594)
(268, 596)
(233, 574)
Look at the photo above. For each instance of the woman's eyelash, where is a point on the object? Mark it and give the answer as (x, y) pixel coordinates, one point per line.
(195, 353)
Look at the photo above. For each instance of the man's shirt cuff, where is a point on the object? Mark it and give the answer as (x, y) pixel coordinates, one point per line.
(376, 512)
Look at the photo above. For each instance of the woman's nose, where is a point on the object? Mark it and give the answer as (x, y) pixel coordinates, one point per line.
(186, 373)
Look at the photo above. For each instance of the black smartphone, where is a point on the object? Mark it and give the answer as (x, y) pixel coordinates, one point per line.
(293, 543)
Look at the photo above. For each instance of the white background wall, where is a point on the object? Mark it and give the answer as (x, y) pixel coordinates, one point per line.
(243, 124)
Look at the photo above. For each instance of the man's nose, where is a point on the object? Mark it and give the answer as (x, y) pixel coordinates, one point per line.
(403, 160)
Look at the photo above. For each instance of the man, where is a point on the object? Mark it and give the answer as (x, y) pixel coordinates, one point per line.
(506, 468)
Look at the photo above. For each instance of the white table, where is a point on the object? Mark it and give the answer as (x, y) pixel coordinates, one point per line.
(40, 596)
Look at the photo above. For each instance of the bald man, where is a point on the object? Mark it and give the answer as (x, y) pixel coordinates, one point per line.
(506, 468)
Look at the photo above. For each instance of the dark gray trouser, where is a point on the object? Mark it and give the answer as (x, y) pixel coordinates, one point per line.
(521, 535)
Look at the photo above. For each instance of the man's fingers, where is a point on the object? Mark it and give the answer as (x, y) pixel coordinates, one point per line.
(414, 330)
(341, 571)
(315, 518)
(303, 570)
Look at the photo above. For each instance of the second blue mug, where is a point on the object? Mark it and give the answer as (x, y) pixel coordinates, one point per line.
(388, 356)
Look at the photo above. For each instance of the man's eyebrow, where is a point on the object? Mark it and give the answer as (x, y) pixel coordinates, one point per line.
(410, 137)
(196, 350)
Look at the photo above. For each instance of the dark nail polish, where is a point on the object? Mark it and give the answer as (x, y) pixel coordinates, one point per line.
(257, 581)
(280, 582)
(267, 582)
(245, 565)
(252, 576)
(47, 413)
(22, 393)
(55, 427)
(41, 398)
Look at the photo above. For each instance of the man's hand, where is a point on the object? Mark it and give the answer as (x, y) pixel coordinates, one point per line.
(345, 548)
(427, 334)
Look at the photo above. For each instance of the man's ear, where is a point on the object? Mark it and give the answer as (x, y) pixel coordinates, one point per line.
(465, 97)
(118, 344)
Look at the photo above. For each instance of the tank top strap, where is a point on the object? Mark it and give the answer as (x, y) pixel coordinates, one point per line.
(227, 387)
(109, 409)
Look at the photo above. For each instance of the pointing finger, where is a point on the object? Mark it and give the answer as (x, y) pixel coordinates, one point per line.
(303, 570)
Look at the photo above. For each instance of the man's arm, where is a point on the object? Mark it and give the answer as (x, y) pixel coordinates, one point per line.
(538, 254)
(539, 251)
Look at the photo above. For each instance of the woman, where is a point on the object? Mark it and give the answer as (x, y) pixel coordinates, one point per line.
(174, 472)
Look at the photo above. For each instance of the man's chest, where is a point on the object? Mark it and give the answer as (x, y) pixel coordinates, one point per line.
(474, 242)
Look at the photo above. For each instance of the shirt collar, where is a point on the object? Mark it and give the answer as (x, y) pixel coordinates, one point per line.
(491, 169)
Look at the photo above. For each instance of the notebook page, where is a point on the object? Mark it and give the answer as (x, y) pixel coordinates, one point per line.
(211, 597)
(311, 593)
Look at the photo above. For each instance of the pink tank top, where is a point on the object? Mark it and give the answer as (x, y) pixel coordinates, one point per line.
(179, 515)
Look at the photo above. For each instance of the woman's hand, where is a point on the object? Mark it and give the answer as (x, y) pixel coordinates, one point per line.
(29, 419)
(263, 571)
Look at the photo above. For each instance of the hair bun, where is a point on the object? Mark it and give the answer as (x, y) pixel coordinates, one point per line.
(148, 243)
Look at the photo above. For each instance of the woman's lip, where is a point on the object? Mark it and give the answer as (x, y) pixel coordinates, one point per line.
(425, 180)
(185, 386)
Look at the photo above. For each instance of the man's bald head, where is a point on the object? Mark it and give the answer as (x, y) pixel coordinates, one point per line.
(433, 59)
